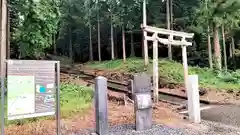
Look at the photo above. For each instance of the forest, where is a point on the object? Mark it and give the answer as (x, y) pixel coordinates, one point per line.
(87, 30)
(106, 38)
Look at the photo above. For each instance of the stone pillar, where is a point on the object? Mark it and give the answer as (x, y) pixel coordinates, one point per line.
(101, 105)
(193, 99)
(142, 101)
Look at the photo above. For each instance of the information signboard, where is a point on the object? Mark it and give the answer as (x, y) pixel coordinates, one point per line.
(31, 88)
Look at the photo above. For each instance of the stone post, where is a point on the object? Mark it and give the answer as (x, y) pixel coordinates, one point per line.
(101, 105)
(142, 101)
(193, 99)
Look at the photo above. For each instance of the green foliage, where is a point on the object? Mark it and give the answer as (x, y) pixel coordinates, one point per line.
(37, 21)
(218, 12)
(74, 98)
(172, 72)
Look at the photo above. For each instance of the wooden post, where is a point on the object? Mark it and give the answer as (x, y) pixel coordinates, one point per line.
(185, 65)
(155, 69)
(145, 34)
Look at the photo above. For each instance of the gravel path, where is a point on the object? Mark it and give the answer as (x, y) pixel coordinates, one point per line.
(205, 128)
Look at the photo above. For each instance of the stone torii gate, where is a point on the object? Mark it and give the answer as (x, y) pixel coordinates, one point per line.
(166, 41)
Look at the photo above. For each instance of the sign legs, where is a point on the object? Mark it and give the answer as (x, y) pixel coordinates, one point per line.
(58, 100)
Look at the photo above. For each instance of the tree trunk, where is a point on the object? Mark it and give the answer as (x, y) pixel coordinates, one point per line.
(142, 47)
(3, 36)
(123, 44)
(233, 46)
(224, 48)
(217, 49)
(70, 44)
(230, 51)
(8, 34)
(116, 43)
(233, 53)
(132, 46)
(90, 42)
(54, 44)
(112, 39)
(146, 61)
(168, 27)
(209, 50)
(171, 14)
(99, 38)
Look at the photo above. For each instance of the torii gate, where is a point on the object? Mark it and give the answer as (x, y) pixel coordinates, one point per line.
(167, 41)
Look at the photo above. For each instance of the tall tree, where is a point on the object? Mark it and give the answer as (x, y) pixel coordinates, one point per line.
(99, 32)
(224, 48)
(90, 32)
(145, 48)
(168, 27)
(214, 14)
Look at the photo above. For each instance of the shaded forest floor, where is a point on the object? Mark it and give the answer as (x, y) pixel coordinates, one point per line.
(218, 87)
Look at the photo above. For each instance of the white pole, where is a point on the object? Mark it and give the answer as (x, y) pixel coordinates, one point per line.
(193, 99)
(145, 34)
(155, 69)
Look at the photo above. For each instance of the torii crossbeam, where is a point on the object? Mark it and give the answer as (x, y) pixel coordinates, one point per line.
(167, 41)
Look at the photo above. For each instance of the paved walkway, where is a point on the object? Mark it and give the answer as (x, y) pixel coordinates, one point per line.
(225, 114)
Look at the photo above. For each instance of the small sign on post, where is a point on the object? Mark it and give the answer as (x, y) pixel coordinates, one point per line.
(142, 101)
(101, 105)
(193, 99)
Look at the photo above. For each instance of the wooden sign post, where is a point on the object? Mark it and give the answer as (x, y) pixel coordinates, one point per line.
(167, 41)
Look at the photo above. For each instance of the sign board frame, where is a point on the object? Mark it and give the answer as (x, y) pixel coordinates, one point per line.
(57, 93)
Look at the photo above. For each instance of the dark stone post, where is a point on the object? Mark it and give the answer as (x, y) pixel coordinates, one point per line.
(142, 101)
(101, 105)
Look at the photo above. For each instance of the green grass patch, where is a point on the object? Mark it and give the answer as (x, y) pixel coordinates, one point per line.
(172, 72)
(74, 99)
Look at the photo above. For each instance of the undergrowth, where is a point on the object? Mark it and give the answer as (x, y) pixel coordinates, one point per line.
(172, 72)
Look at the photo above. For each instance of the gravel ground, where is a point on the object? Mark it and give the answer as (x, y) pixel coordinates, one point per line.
(205, 128)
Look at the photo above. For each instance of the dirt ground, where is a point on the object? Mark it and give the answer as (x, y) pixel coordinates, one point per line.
(118, 114)
(213, 96)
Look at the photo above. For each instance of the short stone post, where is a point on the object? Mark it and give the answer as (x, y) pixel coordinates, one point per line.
(101, 105)
(142, 101)
(193, 99)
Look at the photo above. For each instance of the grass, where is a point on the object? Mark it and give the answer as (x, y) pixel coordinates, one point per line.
(172, 72)
(74, 99)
